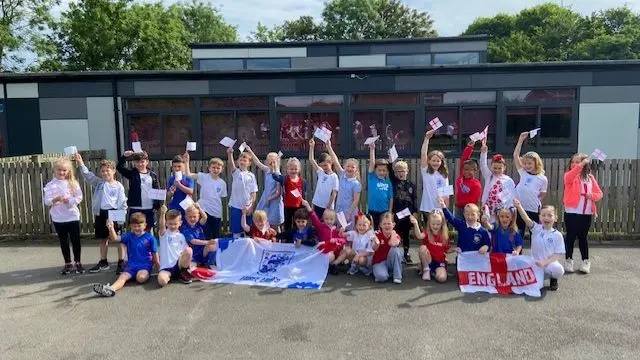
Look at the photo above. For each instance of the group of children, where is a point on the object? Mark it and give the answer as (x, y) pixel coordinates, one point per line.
(375, 243)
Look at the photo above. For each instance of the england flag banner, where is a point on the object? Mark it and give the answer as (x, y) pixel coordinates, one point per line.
(250, 262)
(499, 274)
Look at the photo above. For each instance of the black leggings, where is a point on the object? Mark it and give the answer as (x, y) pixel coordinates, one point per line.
(375, 216)
(534, 216)
(288, 217)
(403, 228)
(66, 231)
(577, 226)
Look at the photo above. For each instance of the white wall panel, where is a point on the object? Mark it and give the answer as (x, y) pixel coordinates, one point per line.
(612, 128)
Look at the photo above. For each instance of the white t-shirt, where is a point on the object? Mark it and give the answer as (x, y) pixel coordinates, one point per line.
(545, 243)
(110, 195)
(583, 208)
(243, 185)
(430, 185)
(146, 184)
(211, 193)
(529, 189)
(361, 243)
(172, 244)
(325, 185)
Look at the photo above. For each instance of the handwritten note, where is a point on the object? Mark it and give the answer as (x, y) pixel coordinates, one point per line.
(70, 150)
(118, 215)
(242, 147)
(186, 203)
(445, 191)
(403, 214)
(158, 194)
(227, 142)
(191, 146)
(371, 140)
(136, 147)
(393, 153)
(322, 134)
(295, 193)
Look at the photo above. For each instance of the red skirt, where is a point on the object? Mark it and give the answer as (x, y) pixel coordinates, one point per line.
(328, 248)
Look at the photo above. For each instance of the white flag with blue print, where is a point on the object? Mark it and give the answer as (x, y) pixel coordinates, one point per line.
(249, 262)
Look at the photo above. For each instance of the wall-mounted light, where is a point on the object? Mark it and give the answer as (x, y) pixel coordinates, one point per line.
(359, 77)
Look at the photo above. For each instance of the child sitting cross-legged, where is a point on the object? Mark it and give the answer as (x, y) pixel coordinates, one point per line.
(301, 233)
(260, 229)
(204, 250)
(175, 254)
(434, 248)
(361, 249)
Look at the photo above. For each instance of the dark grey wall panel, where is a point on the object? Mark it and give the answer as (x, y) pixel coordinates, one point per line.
(318, 62)
(125, 88)
(63, 108)
(75, 89)
(609, 94)
(23, 127)
(622, 77)
(354, 50)
(433, 82)
(170, 88)
(407, 48)
(340, 84)
(322, 50)
(540, 79)
(233, 87)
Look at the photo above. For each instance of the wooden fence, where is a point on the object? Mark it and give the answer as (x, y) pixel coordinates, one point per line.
(22, 210)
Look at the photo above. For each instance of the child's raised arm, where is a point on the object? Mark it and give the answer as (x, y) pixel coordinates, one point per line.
(484, 166)
(417, 233)
(518, 148)
(162, 227)
(112, 232)
(256, 160)
(523, 214)
(243, 220)
(187, 169)
(424, 151)
(372, 157)
(203, 214)
(231, 161)
(334, 157)
(312, 160)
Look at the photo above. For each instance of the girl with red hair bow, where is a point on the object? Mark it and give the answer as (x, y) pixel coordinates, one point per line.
(499, 188)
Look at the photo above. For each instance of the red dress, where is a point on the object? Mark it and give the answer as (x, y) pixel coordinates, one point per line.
(329, 238)
(254, 232)
(437, 248)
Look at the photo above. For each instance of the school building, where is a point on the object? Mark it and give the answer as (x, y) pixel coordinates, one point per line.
(273, 96)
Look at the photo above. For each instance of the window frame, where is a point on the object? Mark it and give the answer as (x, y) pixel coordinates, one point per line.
(244, 63)
(430, 55)
(434, 54)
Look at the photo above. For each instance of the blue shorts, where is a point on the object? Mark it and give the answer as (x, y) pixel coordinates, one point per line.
(132, 269)
(174, 271)
(435, 264)
(235, 216)
(200, 258)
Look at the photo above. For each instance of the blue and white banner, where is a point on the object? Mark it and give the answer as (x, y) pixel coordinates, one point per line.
(248, 262)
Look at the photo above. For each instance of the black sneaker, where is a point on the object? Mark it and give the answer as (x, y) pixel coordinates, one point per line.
(553, 284)
(67, 269)
(333, 269)
(185, 277)
(120, 267)
(407, 259)
(102, 265)
(80, 269)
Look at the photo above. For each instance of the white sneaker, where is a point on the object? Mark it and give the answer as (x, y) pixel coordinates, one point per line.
(397, 281)
(568, 265)
(585, 267)
(426, 274)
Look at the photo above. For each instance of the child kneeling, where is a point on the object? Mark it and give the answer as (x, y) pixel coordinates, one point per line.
(388, 254)
(361, 249)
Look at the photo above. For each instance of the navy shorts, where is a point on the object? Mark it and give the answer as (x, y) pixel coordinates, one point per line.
(100, 225)
(132, 269)
(212, 227)
(200, 258)
(235, 216)
(174, 271)
(148, 214)
(435, 264)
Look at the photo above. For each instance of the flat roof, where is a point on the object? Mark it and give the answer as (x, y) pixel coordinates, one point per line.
(261, 74)
(336, 42)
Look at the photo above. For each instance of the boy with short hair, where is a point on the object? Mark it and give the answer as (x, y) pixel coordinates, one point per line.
(243, 191)
(108, 194)
(142, 254)
(175, 254)
(380, 194)
(302, 233)
(179, 186)
(141, 181)
(204, 251)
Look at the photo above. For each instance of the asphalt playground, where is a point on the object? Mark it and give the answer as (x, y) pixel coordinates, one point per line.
(47, 316)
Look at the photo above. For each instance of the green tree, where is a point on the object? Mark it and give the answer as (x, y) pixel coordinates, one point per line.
(205, 24)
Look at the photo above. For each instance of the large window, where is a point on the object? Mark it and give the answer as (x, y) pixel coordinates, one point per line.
(245, 64)
(385, 99)
(409, 60)
(296, 128)
(259, 64)
(456, 58)
(323, 101)
(393, 127)
(216, 126)
(221, 64)
(146, 129)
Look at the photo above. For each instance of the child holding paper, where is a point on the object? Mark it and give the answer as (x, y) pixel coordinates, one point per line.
(547, 244)
(141, 180)
(380, 194)
(581, 193)
(434, 176)
(327, 185)
(271, 200)
(468, 189)
(294, 189)
(498, 186)
(179, 186)
(387, 253)
(204, 251)
(243, 191)
(350, 187)
(361, 240)
(505, 237)
(471, 235)
(212, 190)
(62, 195)
(175, 254)
(331, 242)
(302, 233)
(108, 194)
(142, 254)
(260, 229)
(532, 187)
(404, 197)
(434, 248)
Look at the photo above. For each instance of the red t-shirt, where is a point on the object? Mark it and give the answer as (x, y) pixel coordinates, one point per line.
(380, 255)
(289, 200)
(468, 191)
(254, 232)
(437, 248)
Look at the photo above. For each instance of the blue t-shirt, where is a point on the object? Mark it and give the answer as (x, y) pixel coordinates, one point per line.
(179, 195)
(139, 248)
(503, 242)
(346, 192)
(193, 232)
(469, 239)
(380, 192)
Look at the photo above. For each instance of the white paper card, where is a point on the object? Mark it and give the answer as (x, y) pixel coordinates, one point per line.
(296, 193)
(476, 137)
(342, 220)
(403, 214)
(484, 134)
(280, 154)
(393, 153)
(136, 147)
(177, 176)
(533, 133)
(435, 124)
(242, 147)
(186, 203)
(158, 194)
(227, 142)
(371, 140)
(322, 134)
(118, 215)
(598, 154)
(445, 191)
(70, 150)
(485, 211)
(191, 146)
